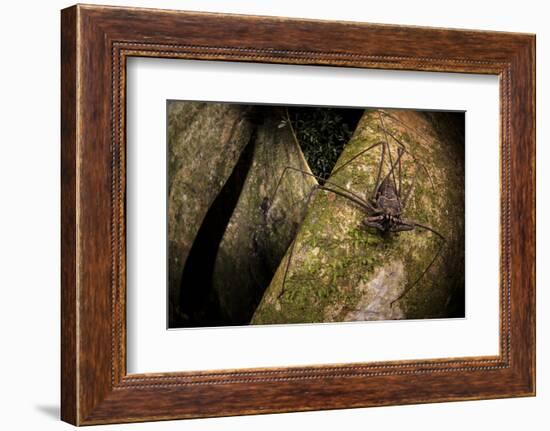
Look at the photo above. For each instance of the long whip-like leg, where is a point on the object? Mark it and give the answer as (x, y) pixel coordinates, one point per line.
(380, 165)
(399, 153)
(389, 151)
(280, 180)
(341, 190)
(310, 195)
(398, 141)
(359, 154)
(440, 248)
(397, 161)
(409, 191)
(403, 123)
(416, 162)
(293, 244)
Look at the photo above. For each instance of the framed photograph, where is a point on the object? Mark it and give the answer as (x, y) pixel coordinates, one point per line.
(264, 214)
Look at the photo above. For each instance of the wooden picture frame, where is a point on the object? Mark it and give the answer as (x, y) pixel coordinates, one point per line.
(95, 43)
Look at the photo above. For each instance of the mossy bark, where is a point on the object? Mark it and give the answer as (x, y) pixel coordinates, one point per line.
(205, 142)
(228, 226)
(342, 271)
(265, 218)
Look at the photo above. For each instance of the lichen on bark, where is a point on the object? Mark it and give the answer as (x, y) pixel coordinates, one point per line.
(342, 271)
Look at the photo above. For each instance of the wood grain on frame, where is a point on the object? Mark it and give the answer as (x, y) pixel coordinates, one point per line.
(95, 42)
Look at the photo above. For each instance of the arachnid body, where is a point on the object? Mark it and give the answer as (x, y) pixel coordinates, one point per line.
(384, 206)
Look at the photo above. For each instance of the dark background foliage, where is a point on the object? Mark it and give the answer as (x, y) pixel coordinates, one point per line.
(322, 134)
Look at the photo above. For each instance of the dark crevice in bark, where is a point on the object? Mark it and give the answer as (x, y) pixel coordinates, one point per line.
(200, 304)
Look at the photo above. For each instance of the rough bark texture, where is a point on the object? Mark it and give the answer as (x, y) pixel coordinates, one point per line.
(204, 144)
(341, 271)
(264, 221)
(228, 227)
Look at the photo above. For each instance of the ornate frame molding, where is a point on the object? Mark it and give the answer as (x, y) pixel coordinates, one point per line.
(96, 41)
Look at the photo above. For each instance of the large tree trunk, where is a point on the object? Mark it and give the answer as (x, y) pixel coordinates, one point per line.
(264, 221)
(228, 228)
(205, 142)
(342, 271)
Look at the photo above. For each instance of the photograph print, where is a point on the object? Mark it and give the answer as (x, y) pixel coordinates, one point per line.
(306, 214)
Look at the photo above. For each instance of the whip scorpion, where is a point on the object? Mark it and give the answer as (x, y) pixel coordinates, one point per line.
(384, 207)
